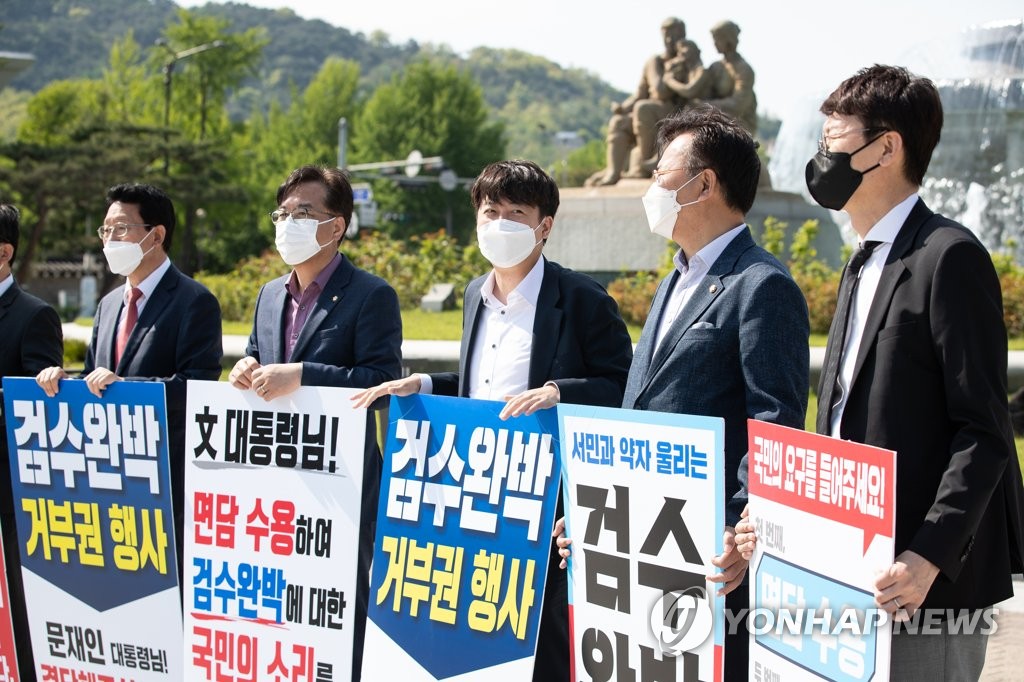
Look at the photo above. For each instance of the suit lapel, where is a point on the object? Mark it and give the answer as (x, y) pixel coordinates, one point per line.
(106, 336)
(890, 277)
(155, 306)
(546, 322)
(709, 288)
(7, 299)
(470, 317)
(332, 294)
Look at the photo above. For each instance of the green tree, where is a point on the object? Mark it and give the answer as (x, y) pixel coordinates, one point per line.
(440, 111)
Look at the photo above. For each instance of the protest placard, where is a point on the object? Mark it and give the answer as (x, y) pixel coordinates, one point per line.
(463, 541)
(824, 512)
(273, 493)
(92, 496)
(644, 497)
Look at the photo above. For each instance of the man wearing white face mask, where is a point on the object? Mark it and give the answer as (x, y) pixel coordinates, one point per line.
(534, 334)
(727, 332)
(327, 323)
(160, 326)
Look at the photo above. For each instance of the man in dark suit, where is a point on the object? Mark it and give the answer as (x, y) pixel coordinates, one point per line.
(534, 334)
(921, 368)
(159, 326)
(727, 333)
(31, 341)
(327, 323)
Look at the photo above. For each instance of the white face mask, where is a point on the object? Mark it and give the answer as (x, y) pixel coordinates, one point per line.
(124, 257)
(506, 243)
(296, 239)
(662, 207)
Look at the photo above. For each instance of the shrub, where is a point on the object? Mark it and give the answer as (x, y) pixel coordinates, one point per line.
(409, 266)
(634, 295)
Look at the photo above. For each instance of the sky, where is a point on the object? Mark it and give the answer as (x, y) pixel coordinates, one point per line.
(799, 49)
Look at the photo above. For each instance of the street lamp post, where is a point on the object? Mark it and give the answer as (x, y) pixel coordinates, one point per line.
(168, 75)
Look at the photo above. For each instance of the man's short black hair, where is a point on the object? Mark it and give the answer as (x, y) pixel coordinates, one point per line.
(338, 191)
(720, 144)
(9, 233)
(517, 182)
(155, 207)
(892, 98)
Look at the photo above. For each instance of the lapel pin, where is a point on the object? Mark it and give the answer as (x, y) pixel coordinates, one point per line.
(713, 288)
(334, 299)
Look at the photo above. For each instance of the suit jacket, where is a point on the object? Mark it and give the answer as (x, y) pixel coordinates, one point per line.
(579, 340)
(929, 382)
(738, 350)
(31, 341)
(177, 338)
(353, 339)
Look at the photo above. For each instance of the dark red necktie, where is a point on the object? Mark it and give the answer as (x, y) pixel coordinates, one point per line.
(131, 316)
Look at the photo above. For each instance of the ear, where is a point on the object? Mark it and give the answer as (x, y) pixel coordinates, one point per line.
(892, 148)
(545, 227)
(708, 183)
(159, 236)
(6, 251)
(338, 228)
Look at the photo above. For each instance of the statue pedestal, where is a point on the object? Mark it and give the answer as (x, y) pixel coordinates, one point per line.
(603, 230)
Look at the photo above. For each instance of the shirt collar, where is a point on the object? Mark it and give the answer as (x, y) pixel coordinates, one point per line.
(528, 290)
(886, 229)
(320, 281)
(148, 285)
(709, 254)
(6, 283)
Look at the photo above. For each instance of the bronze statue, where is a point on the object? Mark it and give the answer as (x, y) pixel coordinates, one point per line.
(633, 125)
(733, 91)
(686, 76)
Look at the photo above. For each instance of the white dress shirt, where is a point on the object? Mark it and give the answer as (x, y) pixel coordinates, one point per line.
(499, 364)
(884, 231)
(690, 275)
(146, 286)
(6, 283)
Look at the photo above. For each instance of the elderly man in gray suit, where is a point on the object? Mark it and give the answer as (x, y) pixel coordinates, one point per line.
(727, 332)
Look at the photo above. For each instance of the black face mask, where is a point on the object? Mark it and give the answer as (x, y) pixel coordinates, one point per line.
(830, 179)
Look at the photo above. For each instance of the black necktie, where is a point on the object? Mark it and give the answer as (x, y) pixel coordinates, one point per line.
(837, 337)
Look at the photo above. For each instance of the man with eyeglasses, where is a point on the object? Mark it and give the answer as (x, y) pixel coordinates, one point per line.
(159, 326)
(727, 334)
(918, 365)
(31, 341)
(327, 323)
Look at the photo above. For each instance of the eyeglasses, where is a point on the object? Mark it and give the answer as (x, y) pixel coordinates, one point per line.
(658, 173)
(118, 230)
(298, 214)
(824, 139)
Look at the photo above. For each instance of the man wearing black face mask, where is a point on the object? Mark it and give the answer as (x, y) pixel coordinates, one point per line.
(918, 365)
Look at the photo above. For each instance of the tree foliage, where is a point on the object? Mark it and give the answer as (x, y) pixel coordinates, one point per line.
(439, 111)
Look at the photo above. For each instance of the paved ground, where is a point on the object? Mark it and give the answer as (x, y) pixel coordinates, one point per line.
(1003, 662)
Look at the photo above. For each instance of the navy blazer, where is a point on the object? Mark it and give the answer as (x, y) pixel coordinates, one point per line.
(929, 382)
(31, 341)
(738, 350)
(579, 340)
(351, 339)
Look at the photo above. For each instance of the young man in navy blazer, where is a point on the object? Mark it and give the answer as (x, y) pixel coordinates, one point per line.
(533, 334)
(327, 323)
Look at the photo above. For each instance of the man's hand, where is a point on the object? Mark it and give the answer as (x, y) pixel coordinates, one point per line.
(241, 374)
(746, 535)
(49, 380)
(530, 401)
(563, 542)
(733, 565)
(98, 379)
(276, 381)
(900, 589)
(400, 387)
